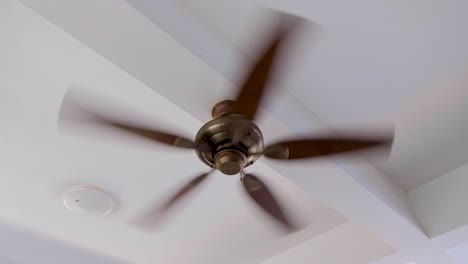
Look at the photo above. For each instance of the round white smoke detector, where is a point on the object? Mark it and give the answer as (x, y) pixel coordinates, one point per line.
(87, 200)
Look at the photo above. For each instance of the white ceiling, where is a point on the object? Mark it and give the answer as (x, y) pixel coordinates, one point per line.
(39, 163)
(352, 208)
(365, 62)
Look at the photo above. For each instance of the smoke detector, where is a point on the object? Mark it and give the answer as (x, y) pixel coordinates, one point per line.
(88, 200)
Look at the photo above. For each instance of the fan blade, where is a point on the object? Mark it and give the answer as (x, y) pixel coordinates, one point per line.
(158, 136)
(264, 198)
(255, 85)
(79, 110)
(151, 219)
(316, 147)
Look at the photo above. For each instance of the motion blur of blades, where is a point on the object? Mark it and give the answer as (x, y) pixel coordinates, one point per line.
(316, 147)
(255, 86)
(150, 220)
(82, 110)
(161, 137)
(260, 194)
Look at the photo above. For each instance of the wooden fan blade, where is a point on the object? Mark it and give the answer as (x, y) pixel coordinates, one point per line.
(264, 198)
(316, 147)
(152, 218)
(255, 85)
(81, 111)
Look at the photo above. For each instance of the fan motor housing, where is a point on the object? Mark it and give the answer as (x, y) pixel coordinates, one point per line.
(229, 143)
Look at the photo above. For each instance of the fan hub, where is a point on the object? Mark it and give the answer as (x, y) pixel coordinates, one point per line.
(229, 143)
(230, 162)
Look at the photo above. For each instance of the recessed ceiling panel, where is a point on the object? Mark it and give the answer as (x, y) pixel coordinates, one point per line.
(41, 162)
(344, 244)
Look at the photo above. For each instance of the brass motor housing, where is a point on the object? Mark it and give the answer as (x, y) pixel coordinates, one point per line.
(229, 143)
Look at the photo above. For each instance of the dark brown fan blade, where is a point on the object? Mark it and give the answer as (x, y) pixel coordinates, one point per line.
(309, 148)
(264, 198)
(161, 137)
(79, 111)
(255, 85)
(152, 218)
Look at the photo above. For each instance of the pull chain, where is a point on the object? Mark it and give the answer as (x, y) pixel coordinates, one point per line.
(241, 175)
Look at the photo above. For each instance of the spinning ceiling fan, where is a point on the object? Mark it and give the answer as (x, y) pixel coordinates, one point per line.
(231, 141)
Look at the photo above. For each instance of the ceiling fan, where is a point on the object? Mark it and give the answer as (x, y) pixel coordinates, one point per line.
(232, 141)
